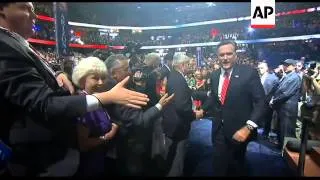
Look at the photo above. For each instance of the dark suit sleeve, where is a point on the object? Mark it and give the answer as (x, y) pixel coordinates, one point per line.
(136, 117)
(257, 96)
(164, 71)
(182, 98)
(23, 86)
(209, 104)
(200, 95)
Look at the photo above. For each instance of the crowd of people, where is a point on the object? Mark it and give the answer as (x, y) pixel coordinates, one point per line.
(112, 114)
(290, 25)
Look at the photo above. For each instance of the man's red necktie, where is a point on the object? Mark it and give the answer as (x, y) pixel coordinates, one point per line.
(225, 86)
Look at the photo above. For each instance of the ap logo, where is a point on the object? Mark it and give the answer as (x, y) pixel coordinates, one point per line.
(263, 14)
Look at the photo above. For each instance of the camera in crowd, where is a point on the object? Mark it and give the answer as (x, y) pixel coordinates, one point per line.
(136, 65)
(312, 68)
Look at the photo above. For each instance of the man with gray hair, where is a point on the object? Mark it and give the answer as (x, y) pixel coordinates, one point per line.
(177, 116)
(152, 60)
(269, 82)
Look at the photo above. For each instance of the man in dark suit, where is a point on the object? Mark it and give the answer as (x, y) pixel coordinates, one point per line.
(136, 126)
(177, 116)
(237, 95)
(33, 104)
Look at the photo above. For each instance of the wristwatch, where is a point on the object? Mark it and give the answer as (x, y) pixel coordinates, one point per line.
(251, 128)
(104, 138)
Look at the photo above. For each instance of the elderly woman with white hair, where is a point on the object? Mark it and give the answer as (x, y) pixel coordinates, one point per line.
(95, 129)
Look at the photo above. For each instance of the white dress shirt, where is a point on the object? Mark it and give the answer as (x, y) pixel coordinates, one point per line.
(264, 77)
(221, 79)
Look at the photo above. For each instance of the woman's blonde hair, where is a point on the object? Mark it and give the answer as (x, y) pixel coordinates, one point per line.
(86, 66)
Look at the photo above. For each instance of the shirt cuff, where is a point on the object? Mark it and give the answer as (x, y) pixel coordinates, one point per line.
(92, 103)
(251, 123)
(58, 73)
(208, 93)
(159, 106)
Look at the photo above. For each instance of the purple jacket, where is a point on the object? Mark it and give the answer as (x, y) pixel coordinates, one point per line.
(98, 122)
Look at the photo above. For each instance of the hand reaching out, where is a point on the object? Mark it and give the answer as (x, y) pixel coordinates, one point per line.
(120, 95)
(165, 99)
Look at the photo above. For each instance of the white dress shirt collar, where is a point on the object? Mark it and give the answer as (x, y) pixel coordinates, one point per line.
(223, 71)
(263, 77)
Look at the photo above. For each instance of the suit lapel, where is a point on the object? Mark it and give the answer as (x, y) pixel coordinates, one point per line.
(21, 48)
(26, 52)
(215, 84)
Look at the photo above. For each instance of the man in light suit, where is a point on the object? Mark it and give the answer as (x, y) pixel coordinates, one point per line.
(285, 101)
(268, 81)
(236, 98)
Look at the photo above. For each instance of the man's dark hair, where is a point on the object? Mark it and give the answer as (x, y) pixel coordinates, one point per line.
(168, 57)
(101, 54)
(2, 5)
(225, 42)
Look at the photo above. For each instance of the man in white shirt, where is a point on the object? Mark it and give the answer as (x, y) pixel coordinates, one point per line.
(237, 97)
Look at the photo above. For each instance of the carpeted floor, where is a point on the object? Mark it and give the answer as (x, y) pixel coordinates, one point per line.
(262, 158)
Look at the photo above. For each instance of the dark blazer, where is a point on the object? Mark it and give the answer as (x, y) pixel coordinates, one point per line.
(177, 115)
(136, 128)
(244, 100)
(28, 90)
(129, 117)
(200, 95)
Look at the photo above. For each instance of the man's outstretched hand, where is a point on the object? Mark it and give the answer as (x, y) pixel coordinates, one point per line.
(120, 95)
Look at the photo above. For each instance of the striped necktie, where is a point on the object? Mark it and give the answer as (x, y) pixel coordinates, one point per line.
(225, 86)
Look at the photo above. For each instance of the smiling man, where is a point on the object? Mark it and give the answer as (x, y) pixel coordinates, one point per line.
(236, 98)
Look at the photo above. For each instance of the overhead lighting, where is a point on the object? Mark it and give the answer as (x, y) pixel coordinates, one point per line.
(311, 9)
(138, 7)
(210, 4)
(250, 29)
